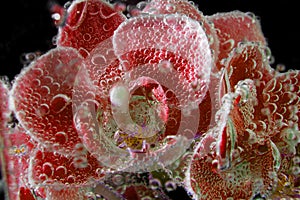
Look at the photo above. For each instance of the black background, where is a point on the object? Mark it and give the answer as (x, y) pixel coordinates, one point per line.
(26, 26)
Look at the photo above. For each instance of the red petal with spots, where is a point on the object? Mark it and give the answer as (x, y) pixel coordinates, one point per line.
(4, 107)
(74, 193)
(189, 9)
(4, 142)
(249, 61)
(18, 147)
(163, 43)
(248, 168)
(144, 58)
(52, 169)
(173, 6)
(282, 100)
(26, 194)
(42, 99)
(88, 23)
(234, 27)
(238, 183)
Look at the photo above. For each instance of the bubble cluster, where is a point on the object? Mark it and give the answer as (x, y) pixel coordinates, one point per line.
(148, 101)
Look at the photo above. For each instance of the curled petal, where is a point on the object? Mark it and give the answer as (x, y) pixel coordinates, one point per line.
(187, 8)
(176, 41)
(52, 169)
(4, 106)
(171, 7)
(41, 99)
(249, 61)
(235, 27)
(228, 162)
(88, 23)
(281, 99)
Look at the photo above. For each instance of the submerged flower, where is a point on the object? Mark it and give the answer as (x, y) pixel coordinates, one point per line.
(137, 107)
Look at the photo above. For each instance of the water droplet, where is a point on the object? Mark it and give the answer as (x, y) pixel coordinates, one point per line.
(59, 102)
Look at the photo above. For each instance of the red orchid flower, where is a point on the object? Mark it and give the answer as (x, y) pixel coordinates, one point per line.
(132, 108)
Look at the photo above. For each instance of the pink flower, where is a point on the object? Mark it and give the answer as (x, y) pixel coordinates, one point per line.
(166, 98)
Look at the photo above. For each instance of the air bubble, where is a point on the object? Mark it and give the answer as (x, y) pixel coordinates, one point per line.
(118, 179)
(44, 90)
(171, 8)
(170, 186)
(43, 177)
(228, 45)
(61, 137)
(61, 171)
(27, 58)
(42, 110)
(154, 184)
(268, 53)
(141, 5)
(59, 102)
(71, 179)
(56, 16)
(48, 169)
(280, 67)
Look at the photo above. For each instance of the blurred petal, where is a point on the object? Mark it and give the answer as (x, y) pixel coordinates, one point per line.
(173, 6)
(249, 61)
(229, 161)
(89, 22)
(52, 169)
(163, 41)
(235, 27)
(187, 8)
(42, 99)
(282, 100)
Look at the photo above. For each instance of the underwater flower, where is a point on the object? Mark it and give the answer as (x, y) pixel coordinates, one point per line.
(136, 107)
